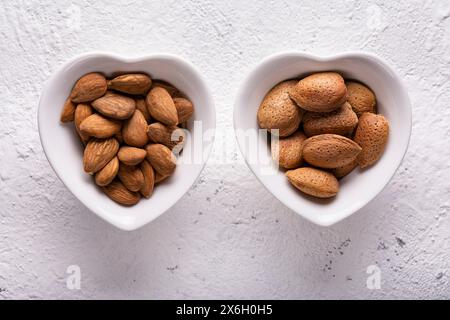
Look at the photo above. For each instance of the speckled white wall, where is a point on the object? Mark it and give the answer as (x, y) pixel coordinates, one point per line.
(228, 237)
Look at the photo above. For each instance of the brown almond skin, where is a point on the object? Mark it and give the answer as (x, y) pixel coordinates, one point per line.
(132, 83)
(320, 92)
(161, 158)
(288, 151)
(160, 178)
(108, 173)
(314, 182)
(131, 177)
(161, 106)
(329, 151)
(100, 127)
(168, 136)
(82, 112)
(341, 121)
(134, 130)
(88, 88)
(131, 156)
(278, 111)
(149, 179)
(115, 106)
(174, 92)
(185, 109)
(117, 192)
(142, 107)
(372, 135)
(345, 170)
(68, 112)
(98, 153)
(361, 98)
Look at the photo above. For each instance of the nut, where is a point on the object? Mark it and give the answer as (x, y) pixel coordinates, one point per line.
(106, 175)
(161, 106)
(89, 88)
(288, 151)
(100, 127)
(320, 92)
(131, 156)
(98, 153)
(372, 135)
(117, 192)
(133, 83)
(161, 159)
(314, 182)
(131, 177)
(330, 151)
(115, 106)
(134, 131)
(361, 98)
(341, 121)
(278, 111)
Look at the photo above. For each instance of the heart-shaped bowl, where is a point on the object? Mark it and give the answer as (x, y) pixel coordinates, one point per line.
(361, 186)
(65, 152)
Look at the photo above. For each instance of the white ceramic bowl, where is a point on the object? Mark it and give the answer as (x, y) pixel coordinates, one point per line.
(64, 151)
(358, 188)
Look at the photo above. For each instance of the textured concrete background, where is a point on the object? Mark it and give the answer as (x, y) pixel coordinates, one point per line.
(228, 237)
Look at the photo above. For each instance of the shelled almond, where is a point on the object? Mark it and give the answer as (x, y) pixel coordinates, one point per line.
(129, 125)
(326, 126)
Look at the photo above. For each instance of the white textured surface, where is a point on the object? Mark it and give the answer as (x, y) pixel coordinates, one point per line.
(228, 237)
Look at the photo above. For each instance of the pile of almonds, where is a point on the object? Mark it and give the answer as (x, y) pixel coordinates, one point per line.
(131, 129)
(326, 126)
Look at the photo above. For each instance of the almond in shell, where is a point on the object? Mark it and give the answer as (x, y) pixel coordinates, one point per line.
(88, 88)
(361, 98)
(345, 170)
(161, 158)
(314, 182)
(341, 121)
(330, 151)
(100, 127)
(106, 175)
(149, 179)
(131, 156)
(115, 106)
(98, 153)
(278, 112)
(133, 83)
(372, 135)
(134, 131)
(117, 192)
(161, 106)
(131, 177)
(287, 152)
(320, 92)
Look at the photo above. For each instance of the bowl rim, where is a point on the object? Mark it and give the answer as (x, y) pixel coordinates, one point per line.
(126, 59)
(265, 62)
